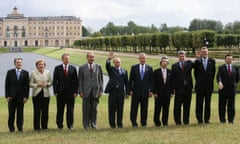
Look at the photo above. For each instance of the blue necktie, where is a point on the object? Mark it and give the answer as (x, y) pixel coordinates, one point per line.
(18, 74)
(205, 64)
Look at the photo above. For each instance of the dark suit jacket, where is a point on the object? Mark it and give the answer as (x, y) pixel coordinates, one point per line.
(159, 87)
(182, 79)
(116, 80)
(61, 83)
(204, 79)
(14, 88)
(229, 82)
(138, 86)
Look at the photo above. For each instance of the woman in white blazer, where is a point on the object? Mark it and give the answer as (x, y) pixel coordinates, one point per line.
(40, 81)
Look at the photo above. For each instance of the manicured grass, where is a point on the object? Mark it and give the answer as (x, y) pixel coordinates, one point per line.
(214, 133)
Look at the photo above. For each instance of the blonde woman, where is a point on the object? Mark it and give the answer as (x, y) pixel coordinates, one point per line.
(40, 81)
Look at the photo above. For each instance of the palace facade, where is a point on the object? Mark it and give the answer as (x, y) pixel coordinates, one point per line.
(16, 30)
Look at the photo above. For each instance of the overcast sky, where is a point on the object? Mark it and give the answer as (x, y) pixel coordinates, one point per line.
(97, 13)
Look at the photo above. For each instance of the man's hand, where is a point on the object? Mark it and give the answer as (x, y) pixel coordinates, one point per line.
(25, 100)
(74, 95)
(9, 99)
(131, 93)
(81, 95)
(150, 94)
(110, 55)
(99, 94)
(220, 85)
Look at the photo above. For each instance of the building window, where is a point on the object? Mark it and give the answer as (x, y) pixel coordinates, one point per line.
(23, 34)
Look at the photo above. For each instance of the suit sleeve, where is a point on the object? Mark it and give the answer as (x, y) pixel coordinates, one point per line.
(131, 79)
(154, 82)
(80, 80)
(49, 83)
(108, 66)
(27, 85)
(55, 81)
(196, 65)
(150, 79)
(126, 83)
(75, 80)
(173, 77)
(214, 68)
(218, 75)
(237, 74)
(100, 75)
(33, 84)
(7, 83)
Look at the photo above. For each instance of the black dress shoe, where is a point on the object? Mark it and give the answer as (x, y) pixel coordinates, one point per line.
(86, 127)
(70, 128)
(135, 126)
(207, 122)
(120, 126)
(94, 127)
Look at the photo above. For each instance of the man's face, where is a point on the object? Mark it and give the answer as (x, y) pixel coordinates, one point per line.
(18, 64)
(164, 63)
(142, 59)
(90, 58)
(204, 53)
(228, 60)
(181, 57)
(66, 59)
(117, 62)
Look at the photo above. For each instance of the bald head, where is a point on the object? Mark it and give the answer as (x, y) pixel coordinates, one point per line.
(117, 62)
(90, 57)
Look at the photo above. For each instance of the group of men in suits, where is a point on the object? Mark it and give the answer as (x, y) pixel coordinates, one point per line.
(142, 84)
(163, 82)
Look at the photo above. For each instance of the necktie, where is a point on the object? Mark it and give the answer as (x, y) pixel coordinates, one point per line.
(205, 64)
(164, 75)
(119, 71)
(182, 66)
(142, 72)
(18, 74)
(65, 70)
(229, 70)
(91, 69)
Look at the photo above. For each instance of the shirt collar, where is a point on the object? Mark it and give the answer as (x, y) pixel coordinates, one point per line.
(18, 69)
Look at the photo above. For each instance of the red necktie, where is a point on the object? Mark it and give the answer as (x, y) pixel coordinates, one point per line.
(91, 69)
(65, 70)
(229, 70)
(182, 66)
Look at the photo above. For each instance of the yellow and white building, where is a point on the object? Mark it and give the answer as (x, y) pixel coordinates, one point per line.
(16, 30)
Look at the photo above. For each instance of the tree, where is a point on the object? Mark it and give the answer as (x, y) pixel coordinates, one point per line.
(85, 31)
(198, 24)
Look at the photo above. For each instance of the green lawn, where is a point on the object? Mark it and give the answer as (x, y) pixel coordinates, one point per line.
(214, 133)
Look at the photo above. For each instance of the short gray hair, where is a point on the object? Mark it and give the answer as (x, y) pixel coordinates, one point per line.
(181, 52)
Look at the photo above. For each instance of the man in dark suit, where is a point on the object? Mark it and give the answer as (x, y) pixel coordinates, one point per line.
(162, 89)
(182, 85)
(90, 89)
(65, 86)
(227, 78)
(204, 72)
(140, 83)
(16, 93)
(117, 88)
